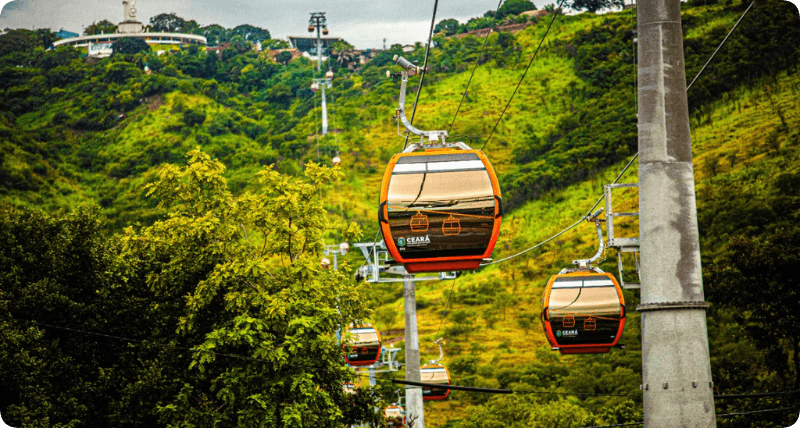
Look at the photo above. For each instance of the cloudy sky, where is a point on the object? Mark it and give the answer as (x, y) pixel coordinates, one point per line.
(364, 23)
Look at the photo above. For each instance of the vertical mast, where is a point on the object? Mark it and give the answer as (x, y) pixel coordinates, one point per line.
(676, 369)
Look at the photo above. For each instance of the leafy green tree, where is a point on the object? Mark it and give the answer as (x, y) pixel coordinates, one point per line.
(247, 268)
(594, 5)
(167, 23)
(513, 7)
(447, 26)
(129, 46)
(240, 45)
(20, 40)
(103, 27)
(761, 281)
(284, 57)
(251, 33)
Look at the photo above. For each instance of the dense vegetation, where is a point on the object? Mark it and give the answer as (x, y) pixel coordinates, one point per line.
(229, 325)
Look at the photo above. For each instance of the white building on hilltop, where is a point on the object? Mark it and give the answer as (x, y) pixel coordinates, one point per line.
(99, 45)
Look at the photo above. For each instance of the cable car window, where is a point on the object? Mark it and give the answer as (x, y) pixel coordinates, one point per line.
(441, 206)
(365, 337)
(584, 310)
(434, 376)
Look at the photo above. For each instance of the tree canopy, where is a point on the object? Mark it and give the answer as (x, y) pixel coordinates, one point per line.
(103, 27)
(594, 5)
(130, 46)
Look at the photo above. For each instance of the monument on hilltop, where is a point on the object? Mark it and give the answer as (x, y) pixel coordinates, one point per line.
(101, 45)
(129, 25)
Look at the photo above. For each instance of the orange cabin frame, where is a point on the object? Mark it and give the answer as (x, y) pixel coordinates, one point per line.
(439, 264)
(569, 321)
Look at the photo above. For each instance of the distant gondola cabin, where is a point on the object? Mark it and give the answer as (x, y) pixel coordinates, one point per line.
(363, 347)
(395, 416)
(583, 312)
(434, 373)
(440, 210)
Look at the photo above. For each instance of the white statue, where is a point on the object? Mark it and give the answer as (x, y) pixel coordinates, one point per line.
(130, 10)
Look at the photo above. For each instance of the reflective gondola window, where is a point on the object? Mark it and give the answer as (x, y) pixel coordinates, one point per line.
(587, 310)
(454, 193)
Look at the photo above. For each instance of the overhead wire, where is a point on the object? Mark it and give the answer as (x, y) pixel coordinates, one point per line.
(424, 68)
(555, 16)
(723, 415)
(721, 44)
(636, 155)
(475, 67)
(444, 313)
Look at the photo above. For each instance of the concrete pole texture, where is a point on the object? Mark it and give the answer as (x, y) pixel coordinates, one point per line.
(676, 369)
(415, 414)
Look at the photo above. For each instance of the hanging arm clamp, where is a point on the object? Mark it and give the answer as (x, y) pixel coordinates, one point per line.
(410, 69)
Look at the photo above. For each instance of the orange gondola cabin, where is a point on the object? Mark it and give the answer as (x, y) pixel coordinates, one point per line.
(434, 373)
(440, 209)
(395, 416)
(364, 348)
(583, 312)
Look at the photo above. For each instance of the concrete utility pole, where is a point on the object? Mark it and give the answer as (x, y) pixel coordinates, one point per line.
(676, 370)
(414, 411)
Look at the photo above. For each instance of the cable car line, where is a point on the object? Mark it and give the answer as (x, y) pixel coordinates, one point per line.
(424, 69)
(720, 45)
(555, 16)
(446, 306)
(246, 358)
(477, 60)
(453, 387)
(723, 415)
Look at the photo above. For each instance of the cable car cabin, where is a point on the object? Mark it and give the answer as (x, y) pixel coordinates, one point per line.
(583, 312)
(349, 387)
(395, 416)
(440, 210)
(434, 373)
(364, 349)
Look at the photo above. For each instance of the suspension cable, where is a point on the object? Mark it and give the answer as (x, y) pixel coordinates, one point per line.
(555, 16)
(475, 67)
(424, 68)
(720, 45)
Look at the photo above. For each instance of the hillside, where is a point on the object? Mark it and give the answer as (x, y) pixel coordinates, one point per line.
(74, 133)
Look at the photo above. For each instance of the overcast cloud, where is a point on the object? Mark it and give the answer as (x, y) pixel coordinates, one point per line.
(364, 23)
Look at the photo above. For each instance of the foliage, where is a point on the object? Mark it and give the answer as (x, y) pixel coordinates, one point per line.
(760, 274)
(261, 294)
(513, 7)
(167, 23)
(448, 27)
(129, 46)
(592, 6)
(103, 27)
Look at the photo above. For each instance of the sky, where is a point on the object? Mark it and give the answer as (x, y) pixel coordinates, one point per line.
(363, 23)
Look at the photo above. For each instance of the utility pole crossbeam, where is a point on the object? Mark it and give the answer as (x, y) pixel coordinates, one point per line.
(676, 369)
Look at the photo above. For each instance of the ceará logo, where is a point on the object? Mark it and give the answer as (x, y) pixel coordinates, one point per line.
(401, 242)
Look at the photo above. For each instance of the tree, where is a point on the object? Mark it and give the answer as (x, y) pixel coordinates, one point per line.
(594, 5)
(448, 26)
(129, 46)
(103, 27)
(240, 45)
(246, 271)
(167, 23)
(514, 7)
(251, 33)
(284, 57)
(761, 281)
(343, 52)
(20, 40)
